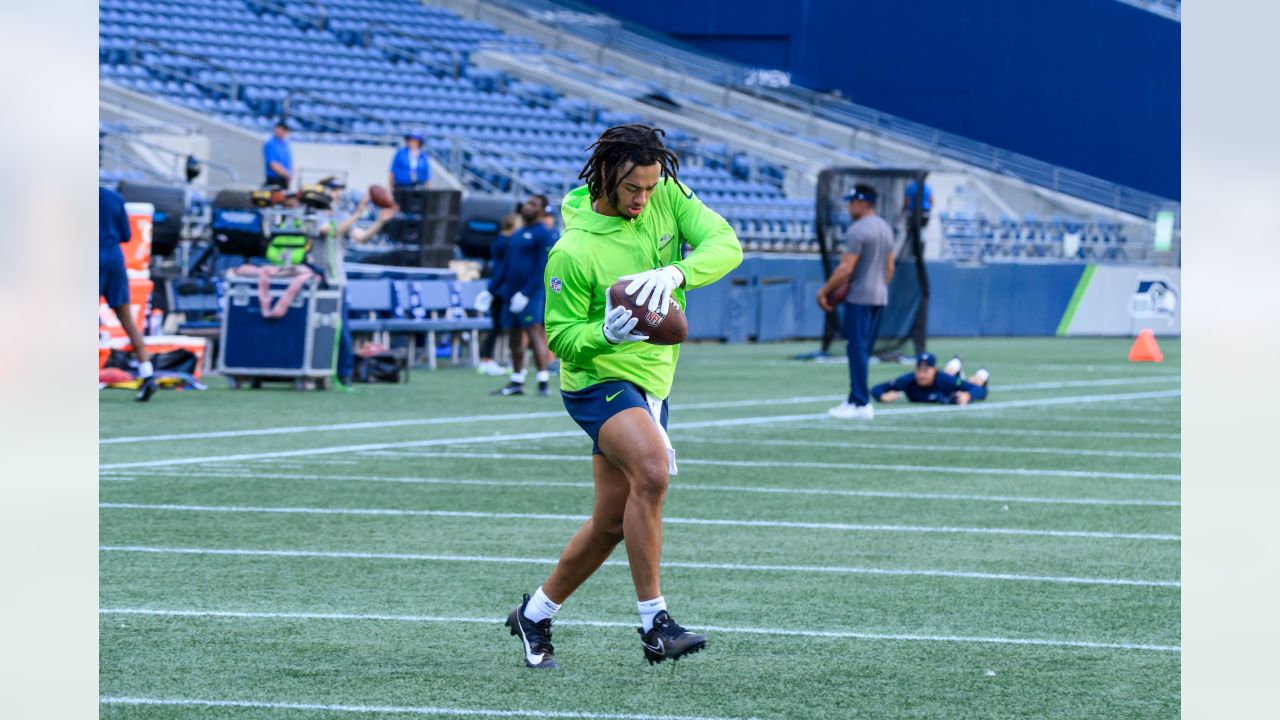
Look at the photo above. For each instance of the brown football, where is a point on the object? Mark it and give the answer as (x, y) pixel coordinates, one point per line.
(380, 196)
(670, 328)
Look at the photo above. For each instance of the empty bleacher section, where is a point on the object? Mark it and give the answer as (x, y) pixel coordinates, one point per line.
(502, 114)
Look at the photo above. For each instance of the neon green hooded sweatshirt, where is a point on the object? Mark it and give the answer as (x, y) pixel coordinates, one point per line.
(595, 250)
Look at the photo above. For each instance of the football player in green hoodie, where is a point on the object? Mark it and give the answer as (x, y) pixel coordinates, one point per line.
(628, 222)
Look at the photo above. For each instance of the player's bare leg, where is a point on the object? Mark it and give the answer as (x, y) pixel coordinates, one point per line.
(148, 387)
(541, 356)
(598, 536)
(631, 442)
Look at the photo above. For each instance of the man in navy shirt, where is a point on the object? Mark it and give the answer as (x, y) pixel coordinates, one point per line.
(927, 385)
(277, 157)
(113, 280)
(910, 199)
(526, 261)
(410, 167)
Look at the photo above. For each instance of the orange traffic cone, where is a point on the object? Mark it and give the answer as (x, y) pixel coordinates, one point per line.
(1145, 348)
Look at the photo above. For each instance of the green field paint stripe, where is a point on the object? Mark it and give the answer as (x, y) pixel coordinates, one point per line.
(388, 709)
(948, 430)
(984, 449)
(1081, 288)
(679, 488)
(783, 632)
(731, 422)
(397, 512)
(940, 469)
(520, 417)
(827, 569)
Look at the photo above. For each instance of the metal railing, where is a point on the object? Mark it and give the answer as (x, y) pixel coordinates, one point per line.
(610, 34)
(290, 109)
(138, 56)
(320, 21)
(372, 30)
(113, 137)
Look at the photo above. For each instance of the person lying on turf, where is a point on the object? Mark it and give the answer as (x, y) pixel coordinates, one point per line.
(926, 384)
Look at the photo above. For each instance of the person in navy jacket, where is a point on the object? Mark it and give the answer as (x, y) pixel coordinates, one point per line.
(928, 385)
(113, 281)
(526, 262)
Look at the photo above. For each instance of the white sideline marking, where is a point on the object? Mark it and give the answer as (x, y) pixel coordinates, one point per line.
(945, 429)
(630, 625)
(977, 407)
(666, 520)
(836, 570)
(680, 487)
(1093, 415)
(942, 469)
(763, 402)
(389, 709)
(935, 448)
(931, 409)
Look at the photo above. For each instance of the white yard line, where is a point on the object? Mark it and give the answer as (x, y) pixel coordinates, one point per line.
(679, 487)
(924, 430)
(835, 570)
(976, 448)
(941, 469)
(1084, 416)
(396, 512)
(337, 449)
(387, 709)
(517, 417)
(784, 632)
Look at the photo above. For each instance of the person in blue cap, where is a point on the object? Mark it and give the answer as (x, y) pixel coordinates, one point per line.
(410, 168)
(928, 385)
(866, 267)
(277, 158)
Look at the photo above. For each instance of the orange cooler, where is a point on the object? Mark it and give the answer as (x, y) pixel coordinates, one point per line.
(139, 302)
(137, 252)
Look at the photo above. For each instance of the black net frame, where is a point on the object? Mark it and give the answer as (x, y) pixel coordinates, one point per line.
(905, 318)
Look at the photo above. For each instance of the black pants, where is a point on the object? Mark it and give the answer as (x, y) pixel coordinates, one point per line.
(495, 314)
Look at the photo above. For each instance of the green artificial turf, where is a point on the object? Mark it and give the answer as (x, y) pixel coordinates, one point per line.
(1015, 559)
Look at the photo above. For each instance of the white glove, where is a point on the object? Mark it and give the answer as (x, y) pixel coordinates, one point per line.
(654, 286)
(619, 324)
(484, 301)
(518, 302)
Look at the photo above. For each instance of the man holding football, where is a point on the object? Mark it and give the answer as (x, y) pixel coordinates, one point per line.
(627, 223)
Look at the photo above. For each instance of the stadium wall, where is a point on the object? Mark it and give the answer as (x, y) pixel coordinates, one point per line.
(771, 297)
(1093, 85)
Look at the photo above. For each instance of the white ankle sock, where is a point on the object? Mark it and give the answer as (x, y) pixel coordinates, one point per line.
(518, 377)
(543, 376)
(145, 370)
(649, 609)
(540, 607)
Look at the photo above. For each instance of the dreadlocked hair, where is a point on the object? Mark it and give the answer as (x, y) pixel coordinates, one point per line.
(618, 146)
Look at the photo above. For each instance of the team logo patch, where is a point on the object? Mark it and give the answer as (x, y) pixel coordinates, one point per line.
(555, 285)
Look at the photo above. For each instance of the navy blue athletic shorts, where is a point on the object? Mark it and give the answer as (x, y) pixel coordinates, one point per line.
(530, 315)
(113, 278)
(591, 406)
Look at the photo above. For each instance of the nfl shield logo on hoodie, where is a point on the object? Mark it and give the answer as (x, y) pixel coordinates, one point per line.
(555, 284)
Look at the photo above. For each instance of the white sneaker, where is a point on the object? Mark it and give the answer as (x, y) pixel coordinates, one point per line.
(953, 366)
(491, 368)
(981, 377)
(848, 411)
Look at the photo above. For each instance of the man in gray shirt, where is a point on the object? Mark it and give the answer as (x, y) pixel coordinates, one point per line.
(863, 277)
